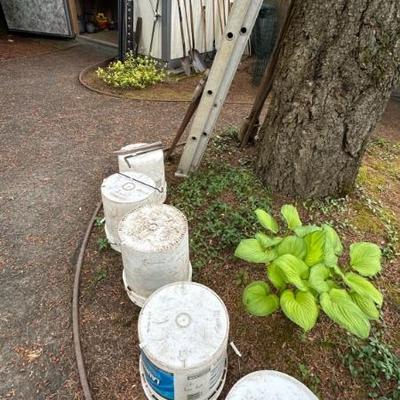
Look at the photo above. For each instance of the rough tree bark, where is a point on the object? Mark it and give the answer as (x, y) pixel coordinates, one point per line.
(337, 67)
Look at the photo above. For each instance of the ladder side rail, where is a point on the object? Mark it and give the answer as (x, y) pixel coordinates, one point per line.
(238, 30)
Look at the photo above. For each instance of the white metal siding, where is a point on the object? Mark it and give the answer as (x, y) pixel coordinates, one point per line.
(144, 9)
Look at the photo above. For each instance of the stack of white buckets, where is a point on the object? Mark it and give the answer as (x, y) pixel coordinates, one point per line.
(183, 327)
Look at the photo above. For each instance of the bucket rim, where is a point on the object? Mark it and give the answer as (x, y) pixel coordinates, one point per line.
(133, 245)
(267, 372)
(147, 191)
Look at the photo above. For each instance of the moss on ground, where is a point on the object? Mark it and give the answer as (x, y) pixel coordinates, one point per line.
(371, 178)
(364, 220)
(394, 293)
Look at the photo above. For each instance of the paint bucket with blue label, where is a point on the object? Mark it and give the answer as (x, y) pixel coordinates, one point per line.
(183, 333)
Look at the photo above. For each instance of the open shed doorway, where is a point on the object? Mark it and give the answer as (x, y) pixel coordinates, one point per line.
(98, 21)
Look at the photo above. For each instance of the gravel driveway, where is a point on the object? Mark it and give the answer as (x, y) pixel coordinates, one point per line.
(56, 146)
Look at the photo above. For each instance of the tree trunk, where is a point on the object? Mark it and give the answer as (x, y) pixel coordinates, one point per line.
(337, 68)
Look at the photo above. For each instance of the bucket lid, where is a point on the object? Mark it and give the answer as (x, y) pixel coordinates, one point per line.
(270, 385)
(153, 228)
(123, 189)
(183, 325)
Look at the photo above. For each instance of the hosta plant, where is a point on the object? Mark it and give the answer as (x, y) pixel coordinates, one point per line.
(304, 275)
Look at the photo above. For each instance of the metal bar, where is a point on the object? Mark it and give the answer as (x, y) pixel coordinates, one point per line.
(138, 35)
(166, 22)
(143, 183)
(189, 113)
(142, 149)
(236, 35)
(122, 31)
(187, 23)
(157, 16)
(130, 26)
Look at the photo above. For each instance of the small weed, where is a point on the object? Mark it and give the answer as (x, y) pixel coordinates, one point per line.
(378, 142)
(103, 244)
(100, 275)
(376, 365)
(242, 278)
(224, 141)
(232, 132)
(331, 211)
(327, 206)
(384, 149)
(309, 378)
(99, 221)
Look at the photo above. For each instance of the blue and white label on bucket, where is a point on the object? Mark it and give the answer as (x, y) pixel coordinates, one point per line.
(201, 384)
(160, 381)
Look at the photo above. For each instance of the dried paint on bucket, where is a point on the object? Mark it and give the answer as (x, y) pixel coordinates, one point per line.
(183, 333)
(270, 385)
(155, 250)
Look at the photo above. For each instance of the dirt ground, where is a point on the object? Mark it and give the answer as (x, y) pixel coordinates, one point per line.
(109, 320)
(17, 46)
(179, 88)
(57, 140)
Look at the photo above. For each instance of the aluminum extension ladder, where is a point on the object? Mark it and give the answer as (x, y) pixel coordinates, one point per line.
(236, 35)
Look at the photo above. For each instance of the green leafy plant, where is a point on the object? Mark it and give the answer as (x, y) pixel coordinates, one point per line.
(100, 275)
(310, 378)
(103, 244)
(225, 195)
(376, 365)
(242, 278)
(134, 72)
(99, 221)
(303, 267)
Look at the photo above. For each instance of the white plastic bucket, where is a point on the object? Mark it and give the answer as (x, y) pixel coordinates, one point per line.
(270, 385)
(183, 334)
(151, 164)
(155, 250)
(120, 195)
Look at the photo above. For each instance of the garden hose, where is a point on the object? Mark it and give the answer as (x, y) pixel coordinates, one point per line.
(75, 308)
(75, 302)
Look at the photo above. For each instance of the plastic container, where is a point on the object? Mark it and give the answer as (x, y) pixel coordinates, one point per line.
(183, 334)
(155, 250)
(120, 195)
(151, 164)
(270, 385)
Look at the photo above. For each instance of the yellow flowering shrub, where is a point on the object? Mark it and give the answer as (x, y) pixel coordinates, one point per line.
(134, 72)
